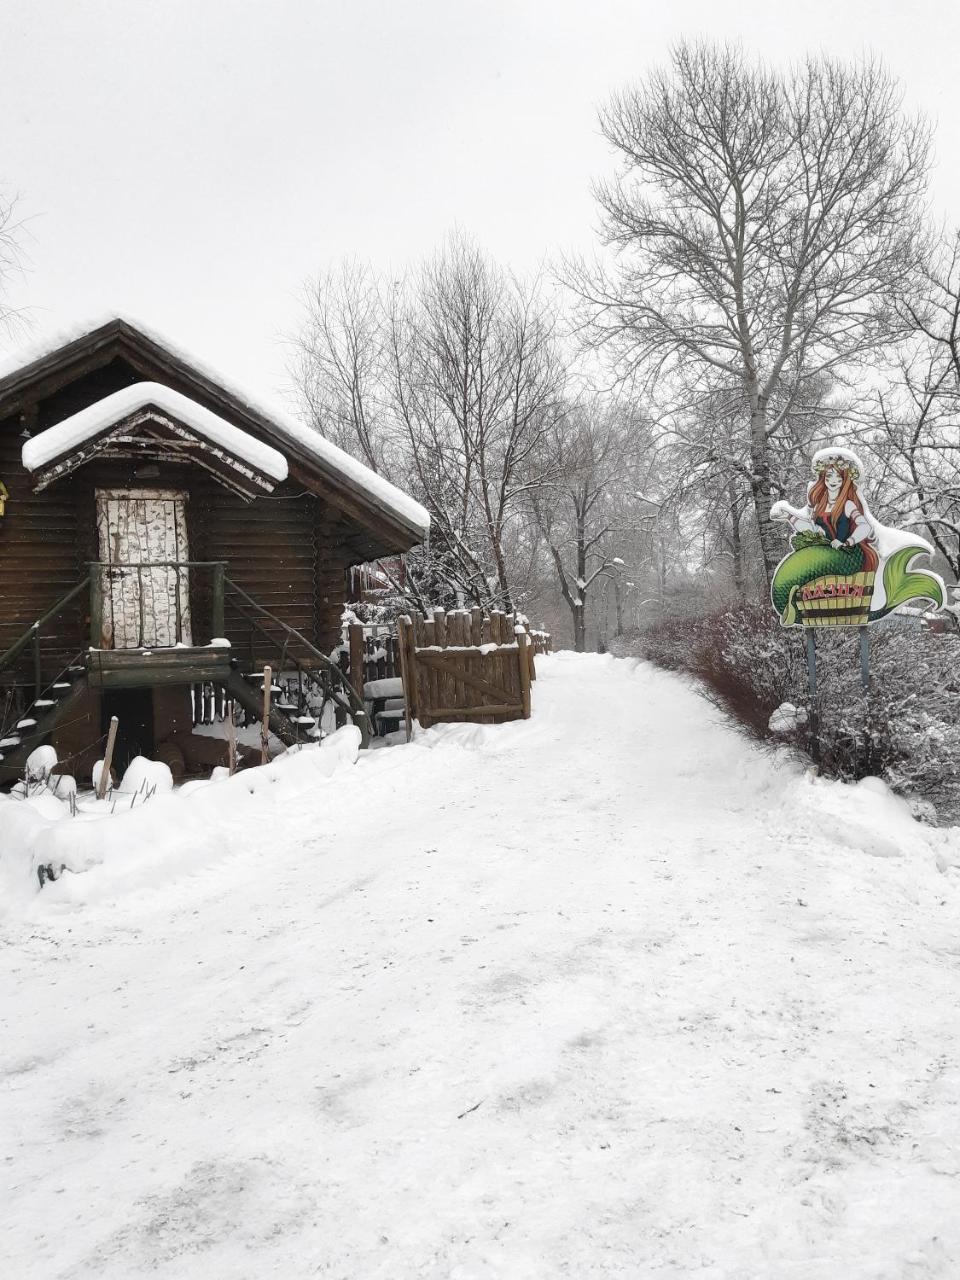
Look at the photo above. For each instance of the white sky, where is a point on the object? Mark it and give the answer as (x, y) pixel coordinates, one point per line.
(192, 161)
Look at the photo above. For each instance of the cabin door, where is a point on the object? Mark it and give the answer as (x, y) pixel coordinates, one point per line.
(144, 582)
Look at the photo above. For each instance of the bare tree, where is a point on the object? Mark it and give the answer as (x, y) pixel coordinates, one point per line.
(13, 320)
(589, 507)
(918, 444)
(476, 383)
(446, 383)
(338, 363)
(767, 228)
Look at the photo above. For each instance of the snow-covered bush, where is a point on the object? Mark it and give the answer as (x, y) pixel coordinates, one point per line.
(906, 730)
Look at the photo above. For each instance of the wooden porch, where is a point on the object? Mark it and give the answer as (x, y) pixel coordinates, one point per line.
(146, 668)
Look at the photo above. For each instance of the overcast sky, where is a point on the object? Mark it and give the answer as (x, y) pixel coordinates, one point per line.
(193, 161)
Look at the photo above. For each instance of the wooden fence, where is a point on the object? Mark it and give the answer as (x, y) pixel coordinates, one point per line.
(373, 653)
(462, 666)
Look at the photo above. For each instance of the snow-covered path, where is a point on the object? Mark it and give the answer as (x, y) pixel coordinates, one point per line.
(608, 993)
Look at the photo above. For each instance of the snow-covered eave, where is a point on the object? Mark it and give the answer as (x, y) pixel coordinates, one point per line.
(99, 418)
(371, 492)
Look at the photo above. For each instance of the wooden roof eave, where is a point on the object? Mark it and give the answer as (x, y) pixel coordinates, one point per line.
(56, 369)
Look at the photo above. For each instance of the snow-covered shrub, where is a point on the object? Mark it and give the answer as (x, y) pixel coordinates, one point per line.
(906, 730)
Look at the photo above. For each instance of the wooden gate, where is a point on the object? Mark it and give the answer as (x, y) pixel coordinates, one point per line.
(465, 667)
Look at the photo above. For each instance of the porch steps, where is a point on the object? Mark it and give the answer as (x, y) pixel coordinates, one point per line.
(34, 729)
(248, 691)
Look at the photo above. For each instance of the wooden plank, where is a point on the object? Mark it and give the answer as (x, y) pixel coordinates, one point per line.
(476, 625)
(146, 677)
(490, 709)
(104, 780)
(445, 663)
(429, 686)
(135, 669)
(403, 625)
(457, 637)
(523, 665)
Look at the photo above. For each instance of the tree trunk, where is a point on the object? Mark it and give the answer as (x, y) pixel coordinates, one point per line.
(736, 541)
(579, 628)
(771, 543)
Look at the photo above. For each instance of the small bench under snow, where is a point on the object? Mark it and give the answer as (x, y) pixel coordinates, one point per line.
(390, 687)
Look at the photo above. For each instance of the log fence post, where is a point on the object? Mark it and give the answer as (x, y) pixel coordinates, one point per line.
(355, 633)
(231, 741)
(265, 718)
(523, 662)
(104, 778)
(407, 675)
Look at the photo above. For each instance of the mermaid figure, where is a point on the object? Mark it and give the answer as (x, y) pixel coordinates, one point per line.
(835, 536)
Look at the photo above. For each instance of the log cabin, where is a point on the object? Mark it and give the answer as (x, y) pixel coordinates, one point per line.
(160, 531)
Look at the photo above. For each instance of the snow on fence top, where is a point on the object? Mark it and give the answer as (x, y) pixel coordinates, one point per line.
(388, 496)
(99, 417)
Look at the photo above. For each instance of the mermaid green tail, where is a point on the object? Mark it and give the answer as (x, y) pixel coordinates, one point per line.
(900, 585)
(813, 557)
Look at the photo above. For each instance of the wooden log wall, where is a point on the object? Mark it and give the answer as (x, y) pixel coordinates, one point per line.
(38, 556)
(288, 551)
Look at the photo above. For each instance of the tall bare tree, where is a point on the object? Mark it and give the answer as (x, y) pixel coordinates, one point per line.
(766, 228)
(919, 440)
(13, 320)
(338, 361)
(476, 383)
(445, 382)
(588, 506)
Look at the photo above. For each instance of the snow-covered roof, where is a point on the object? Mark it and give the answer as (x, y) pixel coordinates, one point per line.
(101, 416)
(302, 438)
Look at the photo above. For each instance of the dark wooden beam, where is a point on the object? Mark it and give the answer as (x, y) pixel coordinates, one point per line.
(144, 668)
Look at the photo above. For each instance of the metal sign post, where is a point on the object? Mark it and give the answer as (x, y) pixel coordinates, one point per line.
(811, 637)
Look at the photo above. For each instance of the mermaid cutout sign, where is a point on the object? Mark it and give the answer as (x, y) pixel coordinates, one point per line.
(845, 569)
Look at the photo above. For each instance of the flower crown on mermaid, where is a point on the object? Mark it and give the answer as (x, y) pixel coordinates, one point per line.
(841, 459)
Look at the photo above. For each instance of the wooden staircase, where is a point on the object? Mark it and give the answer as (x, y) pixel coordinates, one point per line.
(41, 717)
(320, 682)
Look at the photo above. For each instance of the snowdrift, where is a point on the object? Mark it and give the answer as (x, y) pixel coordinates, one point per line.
(98, 852)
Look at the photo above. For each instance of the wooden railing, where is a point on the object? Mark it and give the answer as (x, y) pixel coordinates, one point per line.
(32, 637)
(316, 670)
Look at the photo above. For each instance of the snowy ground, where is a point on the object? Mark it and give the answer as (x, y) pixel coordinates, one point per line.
(608, 993)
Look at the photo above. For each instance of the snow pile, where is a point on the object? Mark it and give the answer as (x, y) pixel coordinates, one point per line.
(143, 775)
(787, 718)
(866, 816)
(102, 847)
